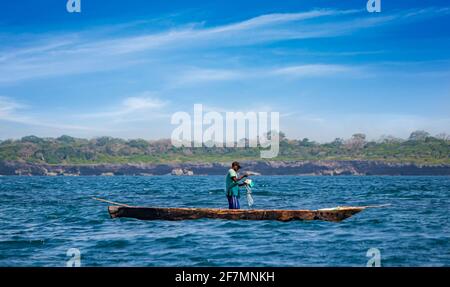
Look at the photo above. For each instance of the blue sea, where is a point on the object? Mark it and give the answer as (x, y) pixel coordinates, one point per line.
(41, 218)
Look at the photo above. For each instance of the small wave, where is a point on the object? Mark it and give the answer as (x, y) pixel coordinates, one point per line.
(121, 243)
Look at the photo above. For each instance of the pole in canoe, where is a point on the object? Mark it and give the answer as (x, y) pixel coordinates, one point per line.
(110, 202)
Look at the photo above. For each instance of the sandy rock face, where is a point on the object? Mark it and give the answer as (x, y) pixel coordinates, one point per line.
(328, 168)
(180, 171)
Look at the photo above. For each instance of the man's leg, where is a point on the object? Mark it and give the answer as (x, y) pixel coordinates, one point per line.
(234, 202)
(230, 202)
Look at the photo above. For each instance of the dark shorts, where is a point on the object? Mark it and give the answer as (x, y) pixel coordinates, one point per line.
(233, 202)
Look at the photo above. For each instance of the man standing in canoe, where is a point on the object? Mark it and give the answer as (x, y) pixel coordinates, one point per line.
(232, 185)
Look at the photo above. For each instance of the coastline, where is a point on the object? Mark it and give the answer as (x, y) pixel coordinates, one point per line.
(305, 168)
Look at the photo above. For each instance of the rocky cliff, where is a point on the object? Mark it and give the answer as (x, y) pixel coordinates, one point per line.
(353, 167)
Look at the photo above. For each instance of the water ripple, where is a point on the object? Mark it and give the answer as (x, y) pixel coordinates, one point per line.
(42, 217)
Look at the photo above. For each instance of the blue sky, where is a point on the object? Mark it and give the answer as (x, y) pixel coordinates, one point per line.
(123, 68)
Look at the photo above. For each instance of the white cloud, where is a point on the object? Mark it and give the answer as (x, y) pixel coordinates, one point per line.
(143, 107)
(203, 75)
(8, 107)
(12, 111)
(87, 53)
(313, 70)
(93, 52)
(135, 103)
(130, 106)
(276, 19)
(195, 75)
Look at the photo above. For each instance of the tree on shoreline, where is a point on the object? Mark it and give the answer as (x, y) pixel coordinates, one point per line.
(420, 147)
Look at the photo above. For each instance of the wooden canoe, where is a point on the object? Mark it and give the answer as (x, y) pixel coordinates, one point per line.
(160, 213)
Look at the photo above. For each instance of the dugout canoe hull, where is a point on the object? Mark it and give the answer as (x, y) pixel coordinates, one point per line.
(161, 213)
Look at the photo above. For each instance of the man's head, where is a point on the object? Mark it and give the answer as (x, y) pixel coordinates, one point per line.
(235, 165)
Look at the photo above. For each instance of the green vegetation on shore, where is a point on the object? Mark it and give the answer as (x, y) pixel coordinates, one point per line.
(420, 148)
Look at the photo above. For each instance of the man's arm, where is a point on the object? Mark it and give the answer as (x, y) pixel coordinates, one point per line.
(243, 176)
(236, 179)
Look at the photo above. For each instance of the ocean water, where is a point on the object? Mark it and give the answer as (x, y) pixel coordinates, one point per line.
(41, 218)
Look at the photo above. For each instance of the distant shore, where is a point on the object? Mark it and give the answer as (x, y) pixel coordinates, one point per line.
(313, 168)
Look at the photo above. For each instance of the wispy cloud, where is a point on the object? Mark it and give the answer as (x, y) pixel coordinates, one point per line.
(313, 70)
(266, 59)
(82, 53)
(13, 111)
(143, 107)
(277, 19)
(203, 75)
(197, 75)
(130, 106)
(334, 53)
(8, 107)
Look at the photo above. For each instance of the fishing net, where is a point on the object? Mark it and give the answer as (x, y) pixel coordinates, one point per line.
(248, 186)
